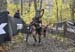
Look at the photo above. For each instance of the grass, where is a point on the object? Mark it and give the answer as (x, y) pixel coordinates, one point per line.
(59, 37)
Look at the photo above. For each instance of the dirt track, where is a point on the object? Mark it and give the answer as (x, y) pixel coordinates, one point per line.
(47, 45)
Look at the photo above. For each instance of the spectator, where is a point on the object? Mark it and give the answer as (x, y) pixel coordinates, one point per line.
(17, 14)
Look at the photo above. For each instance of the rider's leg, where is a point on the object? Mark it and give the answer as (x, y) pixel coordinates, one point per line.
(27, 35)
(34, 37)
(44, 33)
(39, 36)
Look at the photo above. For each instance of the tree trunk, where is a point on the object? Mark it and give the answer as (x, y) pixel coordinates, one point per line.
(65, 28)
(3, 5)
(61, 14)
(21, 7)
(35, 5)
(72, 8)
(57, 15)
(57, 11)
